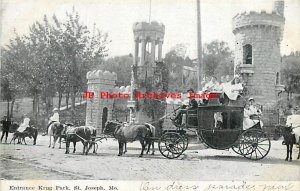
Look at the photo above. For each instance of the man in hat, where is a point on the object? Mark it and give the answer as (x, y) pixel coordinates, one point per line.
(192, 105)
(5, 127)
(54, 118)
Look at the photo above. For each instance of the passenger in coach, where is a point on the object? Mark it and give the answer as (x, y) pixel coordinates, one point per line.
(212, 86)
(234, 89)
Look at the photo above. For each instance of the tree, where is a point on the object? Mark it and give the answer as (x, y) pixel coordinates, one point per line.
(121, 65)
(54, 57)
(83, 50)
(175, 61)
(218, 59)
(290, 71)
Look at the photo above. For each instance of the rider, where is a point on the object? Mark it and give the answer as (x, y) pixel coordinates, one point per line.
(5, 127)
(24, 125)
(54, 118)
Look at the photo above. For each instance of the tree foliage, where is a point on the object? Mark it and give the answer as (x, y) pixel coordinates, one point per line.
(217, 59)
(174, 61)
(290, 72)
(53, 57)
(121, 65)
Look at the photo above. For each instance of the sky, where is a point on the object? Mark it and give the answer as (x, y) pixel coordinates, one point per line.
(116, 18)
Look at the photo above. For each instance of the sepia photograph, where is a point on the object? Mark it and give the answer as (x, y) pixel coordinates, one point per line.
(145, 95)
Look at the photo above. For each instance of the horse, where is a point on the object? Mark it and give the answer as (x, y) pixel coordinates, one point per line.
(13, 127)
(150, 142)
(85, 134)
(124, 134)
(30, 132)
(290, 138)
(56, 131)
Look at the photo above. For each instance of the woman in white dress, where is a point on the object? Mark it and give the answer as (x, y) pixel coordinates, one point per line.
(24, 125)
(233, 88)
(247, 122)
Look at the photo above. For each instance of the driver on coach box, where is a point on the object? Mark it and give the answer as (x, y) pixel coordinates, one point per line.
(192, 105)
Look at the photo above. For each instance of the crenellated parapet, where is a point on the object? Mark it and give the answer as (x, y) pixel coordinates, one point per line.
(251, 19)
(96, 75)
(98, 110)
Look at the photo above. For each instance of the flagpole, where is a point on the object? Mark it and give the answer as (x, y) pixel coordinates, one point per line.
(199, 46)
(1, 12)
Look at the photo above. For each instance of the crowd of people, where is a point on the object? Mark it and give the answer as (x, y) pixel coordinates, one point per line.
(231, 87)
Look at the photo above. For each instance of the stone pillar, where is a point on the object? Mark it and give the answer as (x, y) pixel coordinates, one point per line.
(143, 52)
(153, 51)
(136, 52)
(160, 50)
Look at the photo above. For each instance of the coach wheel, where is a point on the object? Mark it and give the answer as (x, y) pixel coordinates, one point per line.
(186, 142)
(236, 149)
(254, 144)
(171, 145)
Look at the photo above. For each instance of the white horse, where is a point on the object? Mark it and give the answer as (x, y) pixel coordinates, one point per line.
(56, 131)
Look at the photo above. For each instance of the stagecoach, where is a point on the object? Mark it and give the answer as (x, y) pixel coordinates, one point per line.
(226, 133)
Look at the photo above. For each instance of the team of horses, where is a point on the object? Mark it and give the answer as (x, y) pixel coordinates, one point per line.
(124, 133)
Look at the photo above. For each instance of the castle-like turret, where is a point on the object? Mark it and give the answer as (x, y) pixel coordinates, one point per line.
(98, 110)
(257, 51)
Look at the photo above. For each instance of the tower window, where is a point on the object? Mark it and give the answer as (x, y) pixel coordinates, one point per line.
(247, 50)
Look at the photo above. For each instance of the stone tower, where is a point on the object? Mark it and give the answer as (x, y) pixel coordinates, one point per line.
(148, 38)
(98, 111)
(257, 52)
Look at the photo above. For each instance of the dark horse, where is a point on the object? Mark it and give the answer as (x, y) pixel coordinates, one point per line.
(124, 134)
(290, 138)
(30, 132)
(85, 134)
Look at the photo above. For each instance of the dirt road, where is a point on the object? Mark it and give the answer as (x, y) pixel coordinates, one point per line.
(19, 162)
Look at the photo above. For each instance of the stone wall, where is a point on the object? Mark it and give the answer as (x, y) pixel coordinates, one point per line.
(99, 81)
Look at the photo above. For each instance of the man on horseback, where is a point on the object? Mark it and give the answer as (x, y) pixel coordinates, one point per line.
(53, 119)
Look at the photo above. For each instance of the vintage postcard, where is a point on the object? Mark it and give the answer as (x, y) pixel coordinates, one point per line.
(145, 95)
